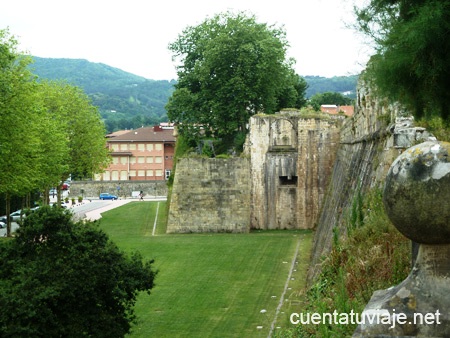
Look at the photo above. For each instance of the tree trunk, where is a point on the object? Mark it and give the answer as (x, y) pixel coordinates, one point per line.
(58, 196)
(8, 217)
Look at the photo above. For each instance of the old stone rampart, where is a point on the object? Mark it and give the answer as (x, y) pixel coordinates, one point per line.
(369, 143)
(278, 184)
(210, 195)
(291, 162)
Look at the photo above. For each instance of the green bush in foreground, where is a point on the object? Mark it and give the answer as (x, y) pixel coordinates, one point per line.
(64, 279)
(373, 256)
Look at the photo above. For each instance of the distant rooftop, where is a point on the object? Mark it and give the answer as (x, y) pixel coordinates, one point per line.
(117, 133)
(148, 134)
(335, 110)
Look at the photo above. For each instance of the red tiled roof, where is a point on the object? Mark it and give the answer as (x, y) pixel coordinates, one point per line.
(334, 110)
(117, 133)
(145, 134)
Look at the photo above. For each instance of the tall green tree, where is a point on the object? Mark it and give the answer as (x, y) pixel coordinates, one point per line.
(229, 68)
(82, 127)
(19, 160)
(49, 130)
(412, 60)
(64, 279)
(294, 93)
(53, 146)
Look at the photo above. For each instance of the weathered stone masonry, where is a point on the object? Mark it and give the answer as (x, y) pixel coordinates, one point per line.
(369, 142)
(210, 195)
(291, 162)
(278, 184)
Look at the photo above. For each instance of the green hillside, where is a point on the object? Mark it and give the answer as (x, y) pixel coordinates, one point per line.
(345, 85)
(128, 101)
(124, 100)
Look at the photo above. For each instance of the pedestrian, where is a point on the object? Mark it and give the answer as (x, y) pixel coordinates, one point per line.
(141, 195)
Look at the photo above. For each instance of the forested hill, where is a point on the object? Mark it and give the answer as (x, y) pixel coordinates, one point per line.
(124, 100)
(346, 85)
(128, 101)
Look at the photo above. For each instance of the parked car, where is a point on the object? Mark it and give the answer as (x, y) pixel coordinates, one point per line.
(62, 205)
(16, 215)
(107, 196)
(2, 225)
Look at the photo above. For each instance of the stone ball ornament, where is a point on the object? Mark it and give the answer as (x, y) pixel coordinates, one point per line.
(417, 193)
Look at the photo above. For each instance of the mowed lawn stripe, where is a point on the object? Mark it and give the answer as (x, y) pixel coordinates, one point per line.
(209, 285)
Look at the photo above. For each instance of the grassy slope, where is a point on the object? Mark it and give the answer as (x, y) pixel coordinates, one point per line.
(209, 285)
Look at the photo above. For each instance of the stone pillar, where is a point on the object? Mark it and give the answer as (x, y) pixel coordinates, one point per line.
(417, 200)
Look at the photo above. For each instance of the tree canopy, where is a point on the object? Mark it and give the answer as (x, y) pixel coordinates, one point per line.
(329, 98)
(229, 68)
(80, 123)
(124, 100)
(412, 60)
(49, 130)
(17, 118)
(64, 279)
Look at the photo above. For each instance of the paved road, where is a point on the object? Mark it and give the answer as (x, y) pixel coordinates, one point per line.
(91, 209)
(14, 226)
(80, 211)
(94, 208)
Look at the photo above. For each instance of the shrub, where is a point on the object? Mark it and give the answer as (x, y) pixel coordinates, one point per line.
(64, 279)
(373, 256)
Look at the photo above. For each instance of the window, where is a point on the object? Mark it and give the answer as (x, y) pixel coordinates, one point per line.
(158, 159)
(149, 146)
(149, 173)
(123, 175)
(124, 146)
(141, 147)
(141, 159)
(132, 173)
(115, 175)
(167, 174)
(141, 173)
(114, 147)
(123, 160)
(132, 146)
(288, 180)
(132, 160)
(149, 159)
(158, 172)
(106, 176)
(158, 146)
(115, 160)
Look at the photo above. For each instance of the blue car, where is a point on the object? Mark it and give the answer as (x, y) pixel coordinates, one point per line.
(106, 196)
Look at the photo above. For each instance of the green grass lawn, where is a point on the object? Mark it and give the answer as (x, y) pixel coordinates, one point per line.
(209, 285)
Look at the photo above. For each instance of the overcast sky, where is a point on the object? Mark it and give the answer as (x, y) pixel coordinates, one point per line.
(133, 35)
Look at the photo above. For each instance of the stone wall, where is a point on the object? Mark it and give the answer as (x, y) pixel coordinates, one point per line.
(291, 163)
(280, 184)
(369, 142)
(92, 189)
(210, 195)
